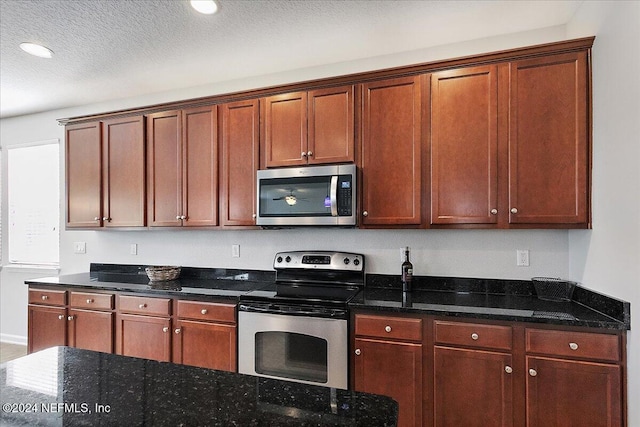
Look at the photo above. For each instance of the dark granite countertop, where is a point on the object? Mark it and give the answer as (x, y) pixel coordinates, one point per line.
(509, 300)
(64, 386)
(194, 282)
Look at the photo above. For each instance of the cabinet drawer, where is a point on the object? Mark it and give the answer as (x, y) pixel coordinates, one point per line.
(573, 344)
(91, 300)
(473, 335)
(47, 297)
(389, 327)
(206, 311)
(144, 305)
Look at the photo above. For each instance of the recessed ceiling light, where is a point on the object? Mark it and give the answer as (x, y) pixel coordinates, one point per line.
(208, 7)
(36, 50)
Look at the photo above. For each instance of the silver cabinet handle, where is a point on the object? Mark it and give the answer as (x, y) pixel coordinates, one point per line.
(204, 311)
(165, 329)
(494, 211)
(358, 352)
(61, 317)
(254, 216)
(178, 217)
(45, 297)
(142, 306)
(365, 213)
(303, 154)
(89, 301)
(533, 372)
(514, 210)
(177, 331)
(474, 336)
(573, 346)
(309, 153)
(508, 369)
(387, 328)
(96, 218)
(183, 217)
(70, 318)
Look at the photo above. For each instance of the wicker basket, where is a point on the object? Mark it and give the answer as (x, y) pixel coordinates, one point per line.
(161, 274)
(553, 289)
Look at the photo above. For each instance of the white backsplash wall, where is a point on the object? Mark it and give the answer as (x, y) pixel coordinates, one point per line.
(463, 253)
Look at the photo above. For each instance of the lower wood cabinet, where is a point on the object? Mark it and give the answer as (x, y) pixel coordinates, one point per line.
(47, 327)
(147, 337)
(465, 373)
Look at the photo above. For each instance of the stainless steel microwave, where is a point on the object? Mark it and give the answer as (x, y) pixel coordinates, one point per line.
(313, 195)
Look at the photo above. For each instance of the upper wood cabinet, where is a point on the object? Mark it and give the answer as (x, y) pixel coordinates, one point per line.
(549, 140)
(182, 166)
(392, 152)
(239, 130)
(464, 146)
(83, 158)
(314, 127)
(123, 172)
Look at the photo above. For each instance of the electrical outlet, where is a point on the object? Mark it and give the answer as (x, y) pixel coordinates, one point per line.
(133, 249)
(80, 247)
(235, 251)
(522, 257)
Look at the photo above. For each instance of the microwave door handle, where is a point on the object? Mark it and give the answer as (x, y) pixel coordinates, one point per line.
(334, 195)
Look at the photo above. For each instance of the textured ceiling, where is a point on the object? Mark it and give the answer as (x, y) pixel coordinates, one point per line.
(111, 49)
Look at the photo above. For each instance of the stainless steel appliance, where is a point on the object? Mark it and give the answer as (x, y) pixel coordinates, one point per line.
(296, 329)
(314, 195)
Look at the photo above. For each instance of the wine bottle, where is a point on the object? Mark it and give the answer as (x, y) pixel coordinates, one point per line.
(407, 272)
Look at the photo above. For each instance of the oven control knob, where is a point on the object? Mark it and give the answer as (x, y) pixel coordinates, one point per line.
(279, 259)
(288, 258)
(356, 261)
(347, 261)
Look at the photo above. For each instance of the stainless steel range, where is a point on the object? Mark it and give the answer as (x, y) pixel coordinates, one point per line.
(297, 329)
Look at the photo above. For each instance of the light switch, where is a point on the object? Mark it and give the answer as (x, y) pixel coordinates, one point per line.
(80, 247)
(133, 249)
(235, 251)
(522, 257)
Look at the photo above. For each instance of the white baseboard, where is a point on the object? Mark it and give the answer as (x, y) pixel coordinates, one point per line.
(13, 339)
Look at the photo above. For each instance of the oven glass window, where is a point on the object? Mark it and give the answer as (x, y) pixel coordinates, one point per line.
(291, 355)
(305, 196)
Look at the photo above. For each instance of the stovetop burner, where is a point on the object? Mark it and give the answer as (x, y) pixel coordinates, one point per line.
(313, 277)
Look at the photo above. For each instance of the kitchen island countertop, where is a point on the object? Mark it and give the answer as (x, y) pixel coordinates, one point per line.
(65, 386)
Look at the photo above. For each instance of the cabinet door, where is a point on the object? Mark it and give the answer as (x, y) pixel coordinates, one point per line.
(392, 369)
(83, 165)
(47, 327)
(464, 146)
(549, 140)
(143, 336)
(91, 330)
(240, 131)
(472, 388)
(123, 172)
(573, 393)
(164, 168)
(204, 344)
(200, 176)
(285, 126)
(391, 152)
(330, 138)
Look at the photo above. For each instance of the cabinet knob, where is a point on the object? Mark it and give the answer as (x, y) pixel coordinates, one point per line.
(573, 346)
(61, 317)
(142, 306)
(309, 153)
(474, 336)
(96, 218)
(533, 372)
(106, 219)
(514, 210)
(45, 297)
(494, 211)
(177, 217)
(387, 328)
(254, 216)
(303, 154)
(165, 329)
(508, 369)
(177, 331)
(70, 318)
(365, 213)
(204, 311)
(89, 301)
(358, 352)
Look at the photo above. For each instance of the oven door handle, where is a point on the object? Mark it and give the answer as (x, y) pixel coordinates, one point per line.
(334, 195)
(297, 312)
